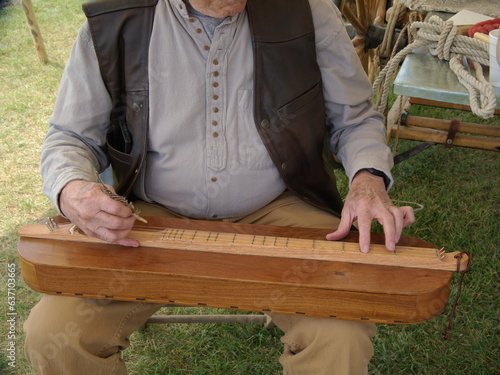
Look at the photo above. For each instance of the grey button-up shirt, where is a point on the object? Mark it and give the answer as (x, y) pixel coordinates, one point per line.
(205, 158)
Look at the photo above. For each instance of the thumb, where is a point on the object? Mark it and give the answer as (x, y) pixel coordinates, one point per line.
(342, 230)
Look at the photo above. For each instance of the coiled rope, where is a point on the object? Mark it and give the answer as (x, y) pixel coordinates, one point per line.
(442, 40)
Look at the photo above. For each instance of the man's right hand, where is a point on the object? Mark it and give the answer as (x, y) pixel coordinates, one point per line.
(95, 213)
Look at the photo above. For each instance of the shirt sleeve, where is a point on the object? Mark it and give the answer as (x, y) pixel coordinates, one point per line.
(357, 131)
(75, 145)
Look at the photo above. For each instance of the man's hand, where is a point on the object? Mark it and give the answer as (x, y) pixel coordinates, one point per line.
(368, 200)
(95, 213)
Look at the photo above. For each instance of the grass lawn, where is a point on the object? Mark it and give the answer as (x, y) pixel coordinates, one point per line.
(458, 189)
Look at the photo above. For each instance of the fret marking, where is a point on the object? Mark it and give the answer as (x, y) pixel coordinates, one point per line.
(313, 243)
(182, 234)
(286, 244)
(263, 240)
(194, 234)
(216, 236)
(164, 233)
(253, 239)
(234, 237)
(275, 239)
(175, 234)
(209, 234)
(170, 234)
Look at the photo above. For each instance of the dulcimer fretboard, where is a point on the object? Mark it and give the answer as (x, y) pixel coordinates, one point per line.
(261, 245)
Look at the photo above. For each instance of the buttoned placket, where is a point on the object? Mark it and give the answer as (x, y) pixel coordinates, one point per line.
(216, 149)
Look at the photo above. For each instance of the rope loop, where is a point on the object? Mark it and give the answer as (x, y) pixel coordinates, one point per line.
(442, 40)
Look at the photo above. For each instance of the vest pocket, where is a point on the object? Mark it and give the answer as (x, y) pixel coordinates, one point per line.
(302, 101)
(123, 164)
(251, 151)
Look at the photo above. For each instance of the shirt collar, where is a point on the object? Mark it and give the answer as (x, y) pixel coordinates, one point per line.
(179, 6)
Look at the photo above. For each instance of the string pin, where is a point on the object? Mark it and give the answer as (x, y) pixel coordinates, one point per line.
(51, 224)
(441, 253)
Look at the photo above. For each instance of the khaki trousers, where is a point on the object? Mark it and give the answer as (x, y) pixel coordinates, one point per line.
(72, 336)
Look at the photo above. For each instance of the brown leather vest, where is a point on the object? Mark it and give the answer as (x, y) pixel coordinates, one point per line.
(289, 106)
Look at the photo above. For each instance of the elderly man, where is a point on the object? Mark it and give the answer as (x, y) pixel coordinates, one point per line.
(238, 102)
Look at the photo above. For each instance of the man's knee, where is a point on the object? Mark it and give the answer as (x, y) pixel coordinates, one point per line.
(303, 332)
(325, 346)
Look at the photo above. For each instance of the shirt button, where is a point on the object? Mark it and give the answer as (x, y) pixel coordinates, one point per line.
(191, 20)
(216, 62)
(180, 6)
(206, 48)
(215, 84)
(214, 216)
(216, 110)
(198, 30)
(214, 179)
(215, 97)
(215, 134)
(264, 123)
(216, 74)
(284, 166)
(215, 123)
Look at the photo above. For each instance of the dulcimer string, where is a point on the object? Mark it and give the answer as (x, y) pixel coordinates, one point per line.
(190, 235)
(265, 244)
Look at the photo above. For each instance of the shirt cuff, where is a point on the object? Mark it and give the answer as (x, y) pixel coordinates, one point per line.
(376, 172)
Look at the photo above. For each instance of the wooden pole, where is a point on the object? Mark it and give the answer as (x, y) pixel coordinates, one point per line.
(29, 11)
(434, 103)
(236, 318)
(420, 134)
(402, 103)
(465, 127)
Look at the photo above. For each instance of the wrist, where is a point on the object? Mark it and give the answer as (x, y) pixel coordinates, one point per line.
(376, 172)
(68, 193)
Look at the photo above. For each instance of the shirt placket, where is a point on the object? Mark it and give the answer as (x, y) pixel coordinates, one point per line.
(216, 118)
(216, 87)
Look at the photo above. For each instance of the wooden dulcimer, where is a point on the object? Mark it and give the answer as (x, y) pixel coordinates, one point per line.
(244, 267)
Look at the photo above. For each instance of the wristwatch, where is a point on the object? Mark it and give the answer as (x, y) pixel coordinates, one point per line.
(378, 173)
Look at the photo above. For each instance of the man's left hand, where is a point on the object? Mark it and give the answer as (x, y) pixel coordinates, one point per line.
(366, 201)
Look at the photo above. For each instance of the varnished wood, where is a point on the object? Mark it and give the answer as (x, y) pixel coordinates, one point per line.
(280, 284)
(401, 104)
(228, 242)
(432, 135)
(434, 103)
(464, 127)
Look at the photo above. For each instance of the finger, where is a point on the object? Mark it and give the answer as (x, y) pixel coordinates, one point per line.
(129, 242)
(398, 216)
(113, 222)
(364, 226)
(408, 215)
(114, 236)
(343, 228)
(113, 207)
(389, 223)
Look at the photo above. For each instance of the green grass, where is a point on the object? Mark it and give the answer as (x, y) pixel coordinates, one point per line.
(458, 189)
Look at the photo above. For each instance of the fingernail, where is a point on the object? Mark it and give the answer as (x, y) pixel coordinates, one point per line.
(365, 249)
(392, 246)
